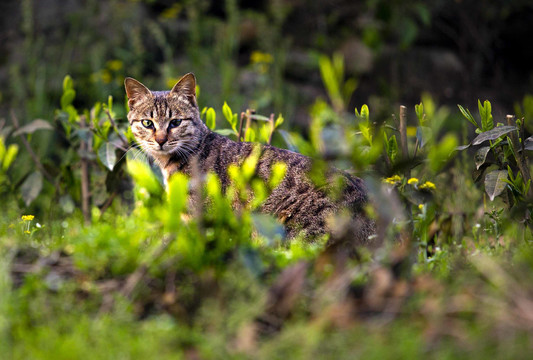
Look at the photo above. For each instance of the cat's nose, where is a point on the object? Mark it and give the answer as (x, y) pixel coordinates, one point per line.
(161, 140)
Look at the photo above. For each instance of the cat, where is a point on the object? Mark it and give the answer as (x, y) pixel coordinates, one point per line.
(167, 125)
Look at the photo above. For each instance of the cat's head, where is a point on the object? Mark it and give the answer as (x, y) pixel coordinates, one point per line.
(165, 122)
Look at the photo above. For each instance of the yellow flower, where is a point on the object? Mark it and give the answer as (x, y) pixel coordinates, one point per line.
(412, 181)
(27, 217)
(428, 185)
(259, 57)
(27, 232)
(421, 206)
(106, 76)
(393, 179)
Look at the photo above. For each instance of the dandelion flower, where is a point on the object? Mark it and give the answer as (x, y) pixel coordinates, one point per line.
(412, 181)
(27, 217)
(428, 185)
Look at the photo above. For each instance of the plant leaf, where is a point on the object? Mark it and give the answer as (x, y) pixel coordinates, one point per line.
(494, 183)
(225, 132)
(493, 134)
(210, 118)
(31, 187)
(481, 156)
(424, 134)
(108, 156)
(462, 147)
(466, 113)
(37, 124)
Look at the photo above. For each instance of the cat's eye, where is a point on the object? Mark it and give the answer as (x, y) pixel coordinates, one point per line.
(147, 123)
(174, 123)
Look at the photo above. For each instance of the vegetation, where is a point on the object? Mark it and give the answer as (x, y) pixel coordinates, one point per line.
(99, 260)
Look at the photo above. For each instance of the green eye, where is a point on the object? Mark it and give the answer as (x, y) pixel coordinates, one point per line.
(174, 123)
(147, 123)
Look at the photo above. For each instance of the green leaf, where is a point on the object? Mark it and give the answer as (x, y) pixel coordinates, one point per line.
(250, 135)
(67, 83)
(107, 155)
(225, 132)
(37, 124)
(210, 118)
(31, 187)
(144, 177)
(468, 116)
(279, 121)
(392, 147)
(67, 98)
(481, 156)
(177, 199)
(228, 114)
(494, 183)
(440, 154)
(485, 111)
(419, 110)
(493, 134)
(9, 156)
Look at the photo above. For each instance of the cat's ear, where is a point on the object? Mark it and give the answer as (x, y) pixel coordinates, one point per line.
(136, 91)
(185, 86)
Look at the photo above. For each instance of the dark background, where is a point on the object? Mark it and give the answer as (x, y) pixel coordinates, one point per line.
(457, 51)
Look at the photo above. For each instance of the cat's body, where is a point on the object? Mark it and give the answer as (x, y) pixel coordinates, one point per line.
(167, 125)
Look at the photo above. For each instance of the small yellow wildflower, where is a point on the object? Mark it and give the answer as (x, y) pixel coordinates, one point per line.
(105, 76)
(421, 206)
(258, 57)
(27, 232)
(428, 185)
(412, 181)
(27, 217)
(393, 179)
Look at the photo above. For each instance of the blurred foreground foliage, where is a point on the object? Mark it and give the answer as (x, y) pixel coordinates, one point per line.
(95, 265)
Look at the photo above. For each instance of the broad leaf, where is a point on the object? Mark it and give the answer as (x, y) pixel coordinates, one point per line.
(107, 155)
(67, 98)
(493, 134)
(485, 111)
(481, 156)
(462, 147)
(210, 118)
(495, 184)
(31, 187)
(37, 124)
(225, 132)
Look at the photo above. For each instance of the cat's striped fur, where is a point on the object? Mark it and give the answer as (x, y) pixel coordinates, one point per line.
(167, 126)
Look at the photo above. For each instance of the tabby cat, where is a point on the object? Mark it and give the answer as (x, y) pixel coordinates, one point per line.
(168, 127)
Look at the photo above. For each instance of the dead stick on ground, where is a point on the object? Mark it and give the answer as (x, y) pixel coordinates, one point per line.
(33, 156)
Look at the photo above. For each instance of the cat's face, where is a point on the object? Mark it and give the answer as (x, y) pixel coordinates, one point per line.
(165, 123)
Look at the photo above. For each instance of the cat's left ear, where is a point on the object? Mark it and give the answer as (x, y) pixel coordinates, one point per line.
(136, 91)
(185, 86)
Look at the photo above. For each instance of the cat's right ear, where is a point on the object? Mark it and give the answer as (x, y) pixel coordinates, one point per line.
(136, 92)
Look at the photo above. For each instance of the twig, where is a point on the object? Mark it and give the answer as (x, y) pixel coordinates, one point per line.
(403, 137)
(85, 193)
(271, 120)
(33, 156)
(240, 126)
(108, 202)
(248, 121)
(521, 159)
